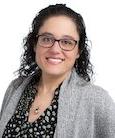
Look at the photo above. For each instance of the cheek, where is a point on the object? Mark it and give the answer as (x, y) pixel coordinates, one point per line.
(74, 54)
(38, 51)
(71, 57)
(38, 54)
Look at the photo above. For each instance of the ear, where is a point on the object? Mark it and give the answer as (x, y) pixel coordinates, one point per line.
(78, 54)
(35, 49)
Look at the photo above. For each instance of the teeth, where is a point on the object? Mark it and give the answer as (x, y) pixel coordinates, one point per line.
(54, 60)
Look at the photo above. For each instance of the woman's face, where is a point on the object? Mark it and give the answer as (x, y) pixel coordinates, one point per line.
(55, 61)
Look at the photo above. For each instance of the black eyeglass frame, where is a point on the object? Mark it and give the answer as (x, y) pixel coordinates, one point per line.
(58, 40)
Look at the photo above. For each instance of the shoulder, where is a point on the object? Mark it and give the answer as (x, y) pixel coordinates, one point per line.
(14, 84)
(96, 92)
(97, 96)
(89, 92)
(104, 105)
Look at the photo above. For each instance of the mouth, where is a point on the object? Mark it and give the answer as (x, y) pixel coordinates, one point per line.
(54, 61)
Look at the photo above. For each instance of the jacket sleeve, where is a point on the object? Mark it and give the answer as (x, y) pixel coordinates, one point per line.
(9, 92)
(105, 115)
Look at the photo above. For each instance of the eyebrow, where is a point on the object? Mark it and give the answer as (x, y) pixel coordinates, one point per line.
(64, 36)
(46, 33)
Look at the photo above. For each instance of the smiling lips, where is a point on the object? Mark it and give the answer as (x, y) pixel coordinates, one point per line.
(54, 61)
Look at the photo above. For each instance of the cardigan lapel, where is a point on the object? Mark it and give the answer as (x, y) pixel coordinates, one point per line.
(8, 112)
(69, 98)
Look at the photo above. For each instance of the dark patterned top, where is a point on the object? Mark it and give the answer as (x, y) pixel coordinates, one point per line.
(44, 127)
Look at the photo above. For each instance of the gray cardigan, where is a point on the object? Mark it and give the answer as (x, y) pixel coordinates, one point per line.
(84, 111)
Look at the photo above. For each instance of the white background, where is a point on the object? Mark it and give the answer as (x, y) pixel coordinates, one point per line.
(99, 15)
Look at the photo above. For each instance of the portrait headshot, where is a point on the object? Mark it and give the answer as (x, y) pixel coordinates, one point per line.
(53, 94)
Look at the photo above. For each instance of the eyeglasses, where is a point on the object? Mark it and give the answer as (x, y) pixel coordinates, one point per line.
(48, 41)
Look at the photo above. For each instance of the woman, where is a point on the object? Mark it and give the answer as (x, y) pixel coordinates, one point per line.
(53, 95)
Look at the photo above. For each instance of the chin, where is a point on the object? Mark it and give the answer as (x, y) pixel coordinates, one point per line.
(56, 72)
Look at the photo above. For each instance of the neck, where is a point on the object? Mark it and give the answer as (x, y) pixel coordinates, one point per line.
(48, 83)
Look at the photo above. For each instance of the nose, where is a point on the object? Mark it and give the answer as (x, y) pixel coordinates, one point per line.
(56, 46)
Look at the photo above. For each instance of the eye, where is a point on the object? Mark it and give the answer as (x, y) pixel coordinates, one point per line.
(66, 42)
(46, 39)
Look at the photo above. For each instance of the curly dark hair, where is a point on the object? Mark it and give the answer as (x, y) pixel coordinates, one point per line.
(82, 65)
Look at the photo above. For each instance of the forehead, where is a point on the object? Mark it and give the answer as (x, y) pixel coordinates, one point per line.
(59, 26)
